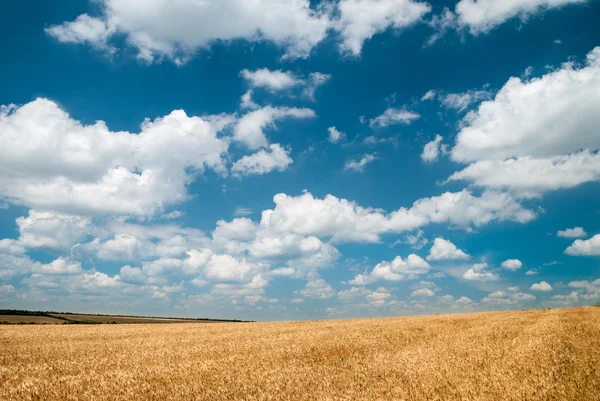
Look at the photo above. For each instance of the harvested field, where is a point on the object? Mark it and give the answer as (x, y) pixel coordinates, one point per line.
(520, 355)
(14, 319)
(124, 319)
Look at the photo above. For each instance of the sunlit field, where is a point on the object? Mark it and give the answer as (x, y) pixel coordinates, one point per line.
(520, 355)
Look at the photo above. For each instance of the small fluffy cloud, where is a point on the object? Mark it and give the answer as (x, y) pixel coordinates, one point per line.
(512, 264)
(393, 116)
(423, 292)
(279, 80)
(358, 165)
(576, 232)
(250, 127)
(445, 250)
(317, 289)
(478, 273)
(263, 162)
(432, 150)
(541, 286)
(589, 247)
(272, 80)
(361, 19)
(335, 136)
(397, 270)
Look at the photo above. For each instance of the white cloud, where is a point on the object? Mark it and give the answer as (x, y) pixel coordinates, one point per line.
(478, 273)
(344, 220)
(242, 211)
(53, 162)
(483, 15)
(443, 249)
(361, 19)
(416, 241)
(512, 264)
(397, 270)
(543, 117)
(530, 176)
(502, 298)
(59, 266)
(52, 231)
(177, 30)
(589, 247)
(246, 101)
(297, 300)
(335, 136)
(249, 129)
(393, 116)
(423, 292)
(541, 286)
(272, 80)
(358, 165)
(576, 232)
(317, 289)
(432, 150)
(431, 94)
(531, 273)
(263, 162)
(462, 101)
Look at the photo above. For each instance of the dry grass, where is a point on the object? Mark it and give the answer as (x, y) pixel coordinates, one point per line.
(530, 355)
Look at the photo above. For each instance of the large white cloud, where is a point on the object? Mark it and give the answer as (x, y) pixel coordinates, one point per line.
(588, 247)
(483, 15)
(543, 117)
(532, 176)
(52, 162)
(361, 19)
(344, 220)
(176, 30)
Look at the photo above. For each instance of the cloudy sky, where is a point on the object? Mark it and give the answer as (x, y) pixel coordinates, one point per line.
(295, 159)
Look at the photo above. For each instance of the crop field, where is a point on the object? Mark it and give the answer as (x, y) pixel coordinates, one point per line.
(520, 355)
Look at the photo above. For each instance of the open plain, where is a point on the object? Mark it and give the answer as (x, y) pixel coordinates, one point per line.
(519, 355)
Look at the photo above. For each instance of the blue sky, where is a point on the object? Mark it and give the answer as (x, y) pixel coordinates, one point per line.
(299, 160)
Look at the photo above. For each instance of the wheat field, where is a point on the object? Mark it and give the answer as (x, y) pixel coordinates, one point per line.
(521, 355)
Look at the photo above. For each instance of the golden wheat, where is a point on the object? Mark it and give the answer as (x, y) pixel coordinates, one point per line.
(528, 355)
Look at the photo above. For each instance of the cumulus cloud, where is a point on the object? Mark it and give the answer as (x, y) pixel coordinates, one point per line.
(263, 162)
(393, 116)
(432, 150)
(589, 247)
(576, 232)
(335, 136)
(422, 292)
(536, 135)
(249, 129)
(503, 298)
(478, 273)
(176, 31)
(361, 19)
(397, 270)
(344, 220)
(279, 80)
(443, 249)
(530, 176)
(52, 162)
(512, 264)
(541, 286)
(483, 15)
(317, 289)
(543, 117)
(358, 165)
